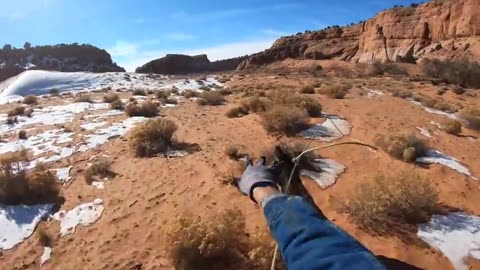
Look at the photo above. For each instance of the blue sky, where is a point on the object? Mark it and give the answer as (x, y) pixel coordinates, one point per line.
(136, 31)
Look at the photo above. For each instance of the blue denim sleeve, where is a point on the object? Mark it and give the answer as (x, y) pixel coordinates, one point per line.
(307, 240)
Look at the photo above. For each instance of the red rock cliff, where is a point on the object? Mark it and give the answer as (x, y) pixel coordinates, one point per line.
(441, 29)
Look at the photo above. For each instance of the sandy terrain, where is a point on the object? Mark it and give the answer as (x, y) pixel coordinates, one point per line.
(148, 192)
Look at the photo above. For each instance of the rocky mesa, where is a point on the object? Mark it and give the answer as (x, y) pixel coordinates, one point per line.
(442, 29)
(61, 57)
(181, 64)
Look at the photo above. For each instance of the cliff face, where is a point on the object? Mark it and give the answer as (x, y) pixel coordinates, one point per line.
(63, 57)
(440, 29)
(181, 64)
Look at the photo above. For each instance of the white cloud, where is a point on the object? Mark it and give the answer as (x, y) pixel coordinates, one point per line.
(131, 55)
(179, 36)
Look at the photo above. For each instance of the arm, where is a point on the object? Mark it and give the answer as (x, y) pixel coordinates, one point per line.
(306, 239)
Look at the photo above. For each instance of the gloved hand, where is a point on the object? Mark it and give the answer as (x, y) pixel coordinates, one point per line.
(256, 176)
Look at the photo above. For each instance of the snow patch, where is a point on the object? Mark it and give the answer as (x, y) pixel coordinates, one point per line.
(332, 129)
(432, 156)
(374, 93)
(425, 132)
(84, 214)
(457, 236)
(47, 254)
(435, 111)
(18, 222)
(92, 126)
(326, 174)
(63, 174)
(98, 184)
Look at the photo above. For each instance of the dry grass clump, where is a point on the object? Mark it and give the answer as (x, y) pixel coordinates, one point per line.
(256, 104)
(235, 112)
(210, 98)
(54, 92)
(19, 110)
(391, 203)
(139, 92)
(291, 99)
(472, 117)
(231, 151)
(18, 186)
(111, 97)
(44, 239)
(162, 95)
(30, 99)
(83, 98)
(116, 105)
(458, 90)
(190, 94)
(435, 103)
(99, 170)
(453, 127)
(220, 242)
(462, 72)
(22, 134)
(335, 91)
(307, 90)
(401, 93)
(11, 120)
(285, 120)
(153, 137)
(146, 109)
(403, 147)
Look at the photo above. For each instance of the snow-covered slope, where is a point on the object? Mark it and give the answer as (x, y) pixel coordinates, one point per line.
(40, 82)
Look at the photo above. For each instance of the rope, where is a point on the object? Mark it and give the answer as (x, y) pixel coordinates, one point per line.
(296, 160)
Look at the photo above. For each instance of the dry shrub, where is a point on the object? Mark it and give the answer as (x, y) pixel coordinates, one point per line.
(290, 99)
(388, 68)
(19, 110)
(163, 94)
(401, 93)
(30, 99)
(220, 242)
(285, 120)
(236, 112)
(335, 91)
(99, 170)
(28, 112)
(116, 105)
(403, 147)
(111, 97)
(11, 120)
(139, 92)
(44, 239)
(435, 103)
(83, 98)
(171, 101)
(256, 104)
(472, 117)
(152, 137)
(211, 98)
(444, 106)
(225, 92)
(391, 203)
(22, 135)
(461, 72)
(190, 94)
(54, 92)
(231, 151)
(453, 127)
(307, 90)
(18, 186)
(146, 109)
(458, 90)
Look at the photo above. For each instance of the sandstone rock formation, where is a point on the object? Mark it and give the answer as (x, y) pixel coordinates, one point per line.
(437, 29)
(181, 64)
(62, 57)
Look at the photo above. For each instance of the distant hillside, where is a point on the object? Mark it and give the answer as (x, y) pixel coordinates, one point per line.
(442, 29)
(182, 64)
(61, 57)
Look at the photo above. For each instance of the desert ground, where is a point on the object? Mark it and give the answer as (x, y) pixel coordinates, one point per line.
(146, 194)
